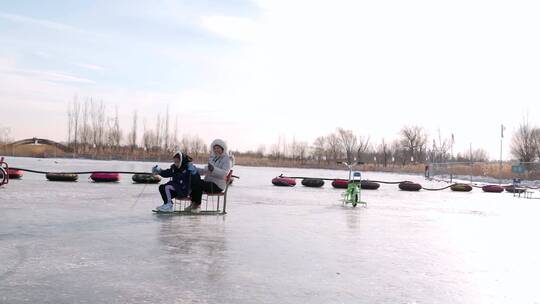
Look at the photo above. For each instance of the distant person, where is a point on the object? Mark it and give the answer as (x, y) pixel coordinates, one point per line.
(182, 172)
(233, 161)
(214, 172)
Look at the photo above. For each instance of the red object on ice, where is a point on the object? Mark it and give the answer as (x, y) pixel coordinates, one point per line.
(283, 181)
(105, 177)
(15, 174)
(340, 183)
(493, 188)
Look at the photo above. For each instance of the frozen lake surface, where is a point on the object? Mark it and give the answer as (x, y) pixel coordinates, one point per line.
(100, 243)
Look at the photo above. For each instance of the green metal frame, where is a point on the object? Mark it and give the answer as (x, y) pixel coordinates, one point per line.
(353, 194)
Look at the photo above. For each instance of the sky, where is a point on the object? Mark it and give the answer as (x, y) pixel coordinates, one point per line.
(252, 71)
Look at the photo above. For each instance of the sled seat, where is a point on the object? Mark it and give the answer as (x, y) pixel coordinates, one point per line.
(211, 201)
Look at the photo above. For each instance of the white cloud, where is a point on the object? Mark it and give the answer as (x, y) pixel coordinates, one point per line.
(304, 68)
(308, 67)
(43, 23)
(93, 67)
(231, 27)
(44, 75)
(34, 103)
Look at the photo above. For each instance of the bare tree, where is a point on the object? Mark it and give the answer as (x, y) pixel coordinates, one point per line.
(70, 123)
(261, 151)
(525, 141)
(85, 128)
(197, 146)
(334, 146)
(384, 152)
(477, 155)
(282, 144)
(132, 136)
(363, 146)
(302, 150)
(175, 142)
(115, 131)
(414, 139)
(349, 143)
(157, 132)
(73, 114)
(98, 123)
(319, 148)
(440, 148)
(399, 154)
(4, 135)
(279, 150)
(76, 114)
(166, 138)
(275, 151)
(148, 138)
(480, 155)
(185, 144)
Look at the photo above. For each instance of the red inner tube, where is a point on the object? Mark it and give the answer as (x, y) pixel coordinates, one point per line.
(283, 181)
(493, 188)
(340, 183)
(14, 174)
(105, 177)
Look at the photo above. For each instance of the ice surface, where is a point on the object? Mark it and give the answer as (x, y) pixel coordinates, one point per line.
(85, 242)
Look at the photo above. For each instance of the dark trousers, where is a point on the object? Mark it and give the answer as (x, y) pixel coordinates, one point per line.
(164, 195)
(198, 186)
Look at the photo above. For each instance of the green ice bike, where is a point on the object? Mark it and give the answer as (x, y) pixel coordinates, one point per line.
(353, 194)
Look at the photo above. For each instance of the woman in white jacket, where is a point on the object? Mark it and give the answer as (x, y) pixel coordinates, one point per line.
(214, 173)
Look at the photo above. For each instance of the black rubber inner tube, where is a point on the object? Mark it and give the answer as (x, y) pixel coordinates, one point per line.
(461, 187)
(513, 189)
(313, 182)
(369, 185)
(62, 177)
(146, 178)
(410, 186)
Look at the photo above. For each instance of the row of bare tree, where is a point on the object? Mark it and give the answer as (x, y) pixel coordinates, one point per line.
(411, 147)
(92, 130)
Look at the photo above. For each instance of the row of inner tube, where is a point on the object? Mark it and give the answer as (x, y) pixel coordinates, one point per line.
(97, 177)
(405, 186)
(317, 183)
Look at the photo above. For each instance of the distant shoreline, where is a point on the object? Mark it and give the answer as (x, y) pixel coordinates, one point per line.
(480, 170)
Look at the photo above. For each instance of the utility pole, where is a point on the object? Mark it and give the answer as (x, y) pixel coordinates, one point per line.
(500, 155)
(452, 148)
(470, 157)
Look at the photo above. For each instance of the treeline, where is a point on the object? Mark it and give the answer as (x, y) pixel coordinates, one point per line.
(411, 147)
(92, 130)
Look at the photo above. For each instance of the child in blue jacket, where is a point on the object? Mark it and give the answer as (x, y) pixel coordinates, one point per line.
(180, 172)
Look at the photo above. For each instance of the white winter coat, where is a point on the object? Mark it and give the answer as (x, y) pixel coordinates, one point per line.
(222, 165)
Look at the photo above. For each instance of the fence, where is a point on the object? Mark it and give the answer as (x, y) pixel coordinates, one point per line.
(488, 172)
